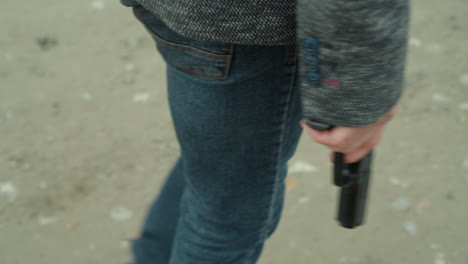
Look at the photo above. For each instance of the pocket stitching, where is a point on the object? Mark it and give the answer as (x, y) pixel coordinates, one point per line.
(225, 74)
(212, 77)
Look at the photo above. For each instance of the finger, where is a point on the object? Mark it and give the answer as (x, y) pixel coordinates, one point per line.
(374, 136)
(346, 139)
(357, 155)
(322, 137)
(351, 146)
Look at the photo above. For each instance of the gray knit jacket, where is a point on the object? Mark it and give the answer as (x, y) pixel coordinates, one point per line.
(351, 53)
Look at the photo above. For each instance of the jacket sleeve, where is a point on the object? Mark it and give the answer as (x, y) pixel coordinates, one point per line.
(352, 56)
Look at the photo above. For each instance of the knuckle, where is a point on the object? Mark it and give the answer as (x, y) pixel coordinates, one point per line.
(341, 142)
(351, 159)
(348, 150)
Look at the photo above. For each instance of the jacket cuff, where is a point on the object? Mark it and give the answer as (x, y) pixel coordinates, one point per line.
(351, 60)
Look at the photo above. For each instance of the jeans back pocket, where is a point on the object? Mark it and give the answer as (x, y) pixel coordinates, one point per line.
(199, 58)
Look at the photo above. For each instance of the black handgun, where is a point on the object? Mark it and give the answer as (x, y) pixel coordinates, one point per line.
(353, 178)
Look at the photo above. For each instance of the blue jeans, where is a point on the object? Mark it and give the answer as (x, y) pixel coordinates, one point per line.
(236, 112)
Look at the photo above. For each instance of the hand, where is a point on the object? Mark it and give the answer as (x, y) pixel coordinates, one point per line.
(354, 142)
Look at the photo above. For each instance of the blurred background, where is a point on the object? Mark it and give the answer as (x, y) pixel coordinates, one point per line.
(86, 140)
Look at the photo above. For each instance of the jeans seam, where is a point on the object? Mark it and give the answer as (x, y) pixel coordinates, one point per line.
(278, 153)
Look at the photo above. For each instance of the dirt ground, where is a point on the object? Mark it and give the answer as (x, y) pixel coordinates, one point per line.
(86, 140)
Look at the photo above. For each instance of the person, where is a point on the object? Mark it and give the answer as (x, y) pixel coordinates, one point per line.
(244, 78)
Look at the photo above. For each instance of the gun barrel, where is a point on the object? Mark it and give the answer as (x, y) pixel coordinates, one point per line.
(353, 195)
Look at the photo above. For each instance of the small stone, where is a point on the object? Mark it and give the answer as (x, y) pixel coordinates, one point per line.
(43, 185)
(121, 214)
(421, 206)
(46, 42)
(433, 48)
(290, 182)
(97, 4)
(125, 57)
(420, 76)
(87, 96)
(130, 67)
(415, 42)
(435, 246)
(463, 106)
(304, 200)
(133, 43)
(124, 244)
(465, 163)
(450, 196)
(44, 220)
(72, 225)
(439, 258)
(395, 181)
(26, 166)
(401, 204)
(56, 108)
(410, 228)
(464, 79)
(10, 190)
(141, 97)
(13, 163)
(437, 97)
(300, 166)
